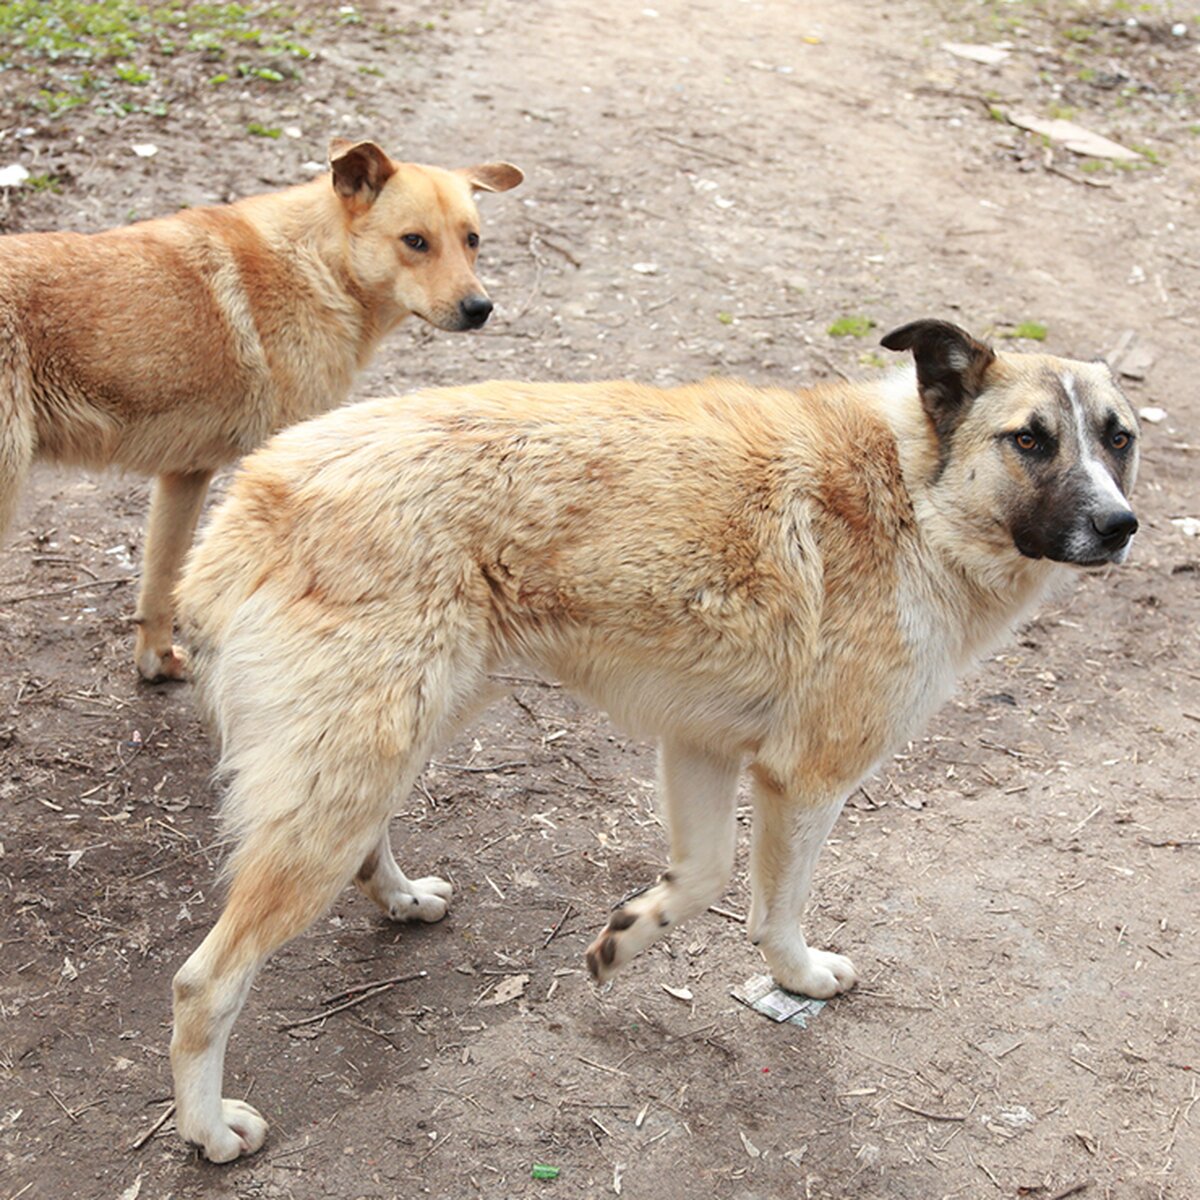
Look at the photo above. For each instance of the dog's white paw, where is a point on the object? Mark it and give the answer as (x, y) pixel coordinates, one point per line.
(822, 974)
(428, 900)
(241, 1130)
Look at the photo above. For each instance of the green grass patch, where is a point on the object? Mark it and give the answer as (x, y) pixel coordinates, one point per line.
(1032, 331)
(851, 326)
(107, 53)
(44, 183)
(258, 130)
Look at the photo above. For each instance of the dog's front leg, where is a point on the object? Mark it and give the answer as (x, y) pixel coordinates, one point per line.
(175, 505)
(698, 791)
(788, 835)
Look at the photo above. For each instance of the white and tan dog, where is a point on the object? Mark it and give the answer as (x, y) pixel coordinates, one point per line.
(173, 346)
(789, 581)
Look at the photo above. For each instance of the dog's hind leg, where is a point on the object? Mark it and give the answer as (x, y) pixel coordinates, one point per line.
(698, 791)
(17, 443)
(381, 879)
(275, 895)
(787, 837)
(175, 505)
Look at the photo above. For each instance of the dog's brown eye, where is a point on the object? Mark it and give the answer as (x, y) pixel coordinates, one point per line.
(473, 240)
(1119, 440)
(414, 241)
(1025, 440)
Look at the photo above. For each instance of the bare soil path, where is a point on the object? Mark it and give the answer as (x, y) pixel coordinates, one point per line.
(710, 187)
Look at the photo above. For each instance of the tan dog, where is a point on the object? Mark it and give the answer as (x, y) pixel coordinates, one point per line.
(173, 346)
(789, 581)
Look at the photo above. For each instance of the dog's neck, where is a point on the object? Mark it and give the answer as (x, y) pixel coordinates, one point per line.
(312, 217)
(985, 587)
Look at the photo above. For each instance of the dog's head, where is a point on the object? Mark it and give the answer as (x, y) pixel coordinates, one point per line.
(1035, 453)
(414, 232)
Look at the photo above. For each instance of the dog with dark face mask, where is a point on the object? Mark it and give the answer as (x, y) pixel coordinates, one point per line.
(785, 582)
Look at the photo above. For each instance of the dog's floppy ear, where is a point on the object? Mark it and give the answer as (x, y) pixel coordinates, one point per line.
(360, 169)
(492, 177)
(951, 366)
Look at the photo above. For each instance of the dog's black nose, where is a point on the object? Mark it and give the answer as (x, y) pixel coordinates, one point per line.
(475, 310)
(1115, 528)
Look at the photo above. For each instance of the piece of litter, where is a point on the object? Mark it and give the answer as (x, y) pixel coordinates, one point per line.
(68, 970)
(618, 1171)
(639, 1121)
(1074, 137)
(1153, 414)
(764, 995)
(646, 268)
(133, 1191)
(509, 988)
(1188, 526)
(751, 1148)
(144, 149)
(1017, 1115)
(13, 175)
(293, 131)
(684, 994)
(988, 55)
(543, 1171)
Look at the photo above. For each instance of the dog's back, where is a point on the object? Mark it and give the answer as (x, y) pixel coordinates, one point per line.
(562, 496)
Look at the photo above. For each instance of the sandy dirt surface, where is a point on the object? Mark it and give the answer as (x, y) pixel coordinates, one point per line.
(711, 186)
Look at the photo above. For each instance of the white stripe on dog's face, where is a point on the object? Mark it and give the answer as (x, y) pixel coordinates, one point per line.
(1102, 480)
(1102, 500)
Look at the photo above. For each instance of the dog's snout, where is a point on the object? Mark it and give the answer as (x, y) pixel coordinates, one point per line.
(475, 310)
(1115, 528)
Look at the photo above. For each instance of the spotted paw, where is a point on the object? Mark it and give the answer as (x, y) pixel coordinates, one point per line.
(614, 947)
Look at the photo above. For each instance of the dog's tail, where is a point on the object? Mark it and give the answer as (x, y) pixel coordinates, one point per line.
(233, 557)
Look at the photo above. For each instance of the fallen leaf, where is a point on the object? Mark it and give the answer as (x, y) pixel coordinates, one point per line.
(988, 55)
(1074, 137)
(509, 988)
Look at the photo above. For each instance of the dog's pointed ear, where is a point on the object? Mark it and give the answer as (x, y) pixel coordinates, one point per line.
(360, 169)
(951, 366)
(492, 177)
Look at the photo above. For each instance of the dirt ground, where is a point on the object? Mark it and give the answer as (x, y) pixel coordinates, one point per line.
(711, 185)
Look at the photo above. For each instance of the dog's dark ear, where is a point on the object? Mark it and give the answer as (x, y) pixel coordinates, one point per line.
(360, 169)
(951, 366)
(492, 177)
